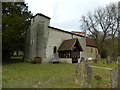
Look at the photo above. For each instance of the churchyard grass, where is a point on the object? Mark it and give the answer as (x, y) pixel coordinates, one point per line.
(103, 73)
(100, 63)
(28, 75)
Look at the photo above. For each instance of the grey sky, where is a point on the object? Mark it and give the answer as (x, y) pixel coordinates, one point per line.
(65, 14)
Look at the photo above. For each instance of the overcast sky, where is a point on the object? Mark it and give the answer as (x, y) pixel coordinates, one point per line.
(65, 14)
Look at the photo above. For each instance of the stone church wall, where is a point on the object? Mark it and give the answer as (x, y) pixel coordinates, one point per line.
(27, 44)
(55, 39)
(37, 37)
(41, 40)
(32, 41)
(91, 52)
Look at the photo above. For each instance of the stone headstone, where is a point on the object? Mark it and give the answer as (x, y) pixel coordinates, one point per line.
(95, 60)
(108, 60)
(82, 59)
(115, 77)
(118, 60)
(83, 75)
(89, 73)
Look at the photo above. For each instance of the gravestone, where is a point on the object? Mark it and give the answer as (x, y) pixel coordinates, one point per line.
(89, 73)
(95, 60)
(118, 60)
(83, 75)
(82, 59)
(108, 60)
(115, 77)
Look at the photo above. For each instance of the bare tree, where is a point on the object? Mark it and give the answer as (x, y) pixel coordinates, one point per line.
(101, 20)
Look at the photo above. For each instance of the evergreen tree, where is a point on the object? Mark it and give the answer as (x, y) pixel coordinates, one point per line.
(15, 22)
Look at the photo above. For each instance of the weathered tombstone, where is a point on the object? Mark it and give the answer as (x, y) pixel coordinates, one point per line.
(82, 59)
(108, 60)
(119, 76)
(89, 73)
(118, 60)
(83, 75)
(115, 77)
(95, 60)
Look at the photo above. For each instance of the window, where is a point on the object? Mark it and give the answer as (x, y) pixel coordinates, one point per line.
(78, 54)
(55, 49)
(32, 41)
(65, 54)
(91, 50)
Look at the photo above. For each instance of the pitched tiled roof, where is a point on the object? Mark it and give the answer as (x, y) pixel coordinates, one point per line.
(90, 42)
(40, 14)
(69, 45)
(65, 31)
(78, 32)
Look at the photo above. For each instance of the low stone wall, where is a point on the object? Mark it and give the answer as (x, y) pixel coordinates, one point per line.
(65, 60)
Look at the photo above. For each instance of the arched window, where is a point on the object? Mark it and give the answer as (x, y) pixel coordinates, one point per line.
(55, 49)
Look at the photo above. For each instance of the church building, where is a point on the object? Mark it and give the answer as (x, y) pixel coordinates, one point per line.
(54, 44)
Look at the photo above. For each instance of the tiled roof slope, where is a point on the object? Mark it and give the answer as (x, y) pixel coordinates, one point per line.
(69, 45)
(90, 42)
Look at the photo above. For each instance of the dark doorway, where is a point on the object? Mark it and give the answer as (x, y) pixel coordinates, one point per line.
(75, 56)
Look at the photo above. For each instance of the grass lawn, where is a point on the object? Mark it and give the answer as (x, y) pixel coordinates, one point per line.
(100, 63)
(27, 75)
(105, 74)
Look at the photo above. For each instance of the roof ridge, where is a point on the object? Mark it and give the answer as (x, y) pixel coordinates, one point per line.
(65, 31)
(40, 14)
